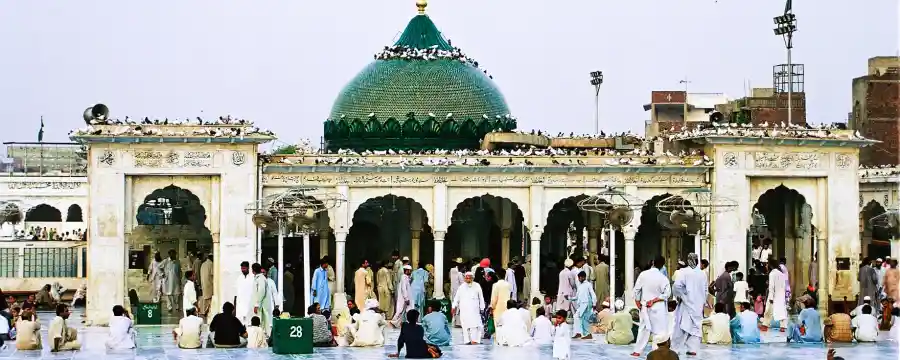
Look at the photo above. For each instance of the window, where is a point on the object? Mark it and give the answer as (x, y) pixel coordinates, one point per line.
(51, 262)
(9, 262)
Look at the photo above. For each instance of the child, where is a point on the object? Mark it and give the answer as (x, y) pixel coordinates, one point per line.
(535, 304)
(741, 288)
(548, 305)
(256, 336)
(542, 330)
(562, 337)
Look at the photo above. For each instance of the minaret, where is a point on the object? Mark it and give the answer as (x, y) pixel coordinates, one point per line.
(421, 4)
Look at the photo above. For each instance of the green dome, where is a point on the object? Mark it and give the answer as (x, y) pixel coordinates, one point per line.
(412, 101)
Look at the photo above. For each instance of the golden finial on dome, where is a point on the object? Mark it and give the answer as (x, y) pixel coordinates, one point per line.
(421, 4)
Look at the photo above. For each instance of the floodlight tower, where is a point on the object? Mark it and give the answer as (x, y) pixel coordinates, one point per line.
(785, 26)
(596, 80)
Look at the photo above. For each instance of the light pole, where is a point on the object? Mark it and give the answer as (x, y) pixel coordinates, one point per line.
(596, 80)
(785, 26)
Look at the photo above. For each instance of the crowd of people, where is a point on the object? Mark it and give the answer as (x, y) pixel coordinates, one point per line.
(673, 314)
(36, 233)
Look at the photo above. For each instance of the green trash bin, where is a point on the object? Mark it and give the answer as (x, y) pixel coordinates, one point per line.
(292, 336)
(148, 314)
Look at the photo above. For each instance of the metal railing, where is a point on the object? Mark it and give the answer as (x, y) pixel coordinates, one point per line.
(50, 262)
(9, 262)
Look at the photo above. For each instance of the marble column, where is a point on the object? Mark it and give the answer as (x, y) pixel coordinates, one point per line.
(504, 245)
(341, 268)
(630, 232)
(439, 264)
(611, 237)
(414, 257)
(324, 236)
(536, 262)
(822, 261)
(307, 272)
(594, 242)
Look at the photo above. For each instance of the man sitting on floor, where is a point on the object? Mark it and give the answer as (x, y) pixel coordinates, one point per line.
(121, 330)
(187, 334)
(716, 328)
(865, 326)
(368, 328)
(62, 337)
(838, 328)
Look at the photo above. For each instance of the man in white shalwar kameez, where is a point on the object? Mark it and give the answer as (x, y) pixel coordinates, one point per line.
(156, 275)
(261, 299)
(172, 282)
(404, 298)
(690, 291)
(566, 288)
(368, 328)
(242, 300)
(511, 279)
(512, 329)
(276, 297)
(189, 297)
(650, 293)
(776, 306)
(468, 304)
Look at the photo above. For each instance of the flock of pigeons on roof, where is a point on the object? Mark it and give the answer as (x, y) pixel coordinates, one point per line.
(169, 128)
(558, 157)
(572, 135)
(878, 171)
(397, 52)
(778, 130)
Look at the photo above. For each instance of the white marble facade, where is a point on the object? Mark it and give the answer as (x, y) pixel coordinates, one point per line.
(225, 178)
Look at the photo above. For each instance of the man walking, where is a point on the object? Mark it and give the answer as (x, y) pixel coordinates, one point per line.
(690, 291)
(650, 292)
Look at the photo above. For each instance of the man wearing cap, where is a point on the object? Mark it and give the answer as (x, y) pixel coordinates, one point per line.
(879, 276)
(468, 304)
(566, 288)
(662, 351)
(404, 298)
(866, 300)
(368, 328)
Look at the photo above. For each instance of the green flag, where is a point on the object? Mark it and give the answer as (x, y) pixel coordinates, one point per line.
(41, 131)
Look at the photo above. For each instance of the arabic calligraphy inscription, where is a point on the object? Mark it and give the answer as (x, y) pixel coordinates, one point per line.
(805, 161)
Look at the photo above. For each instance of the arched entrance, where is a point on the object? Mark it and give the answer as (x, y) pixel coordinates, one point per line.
(784, 222)
(321, 243)
(486, 226)
(384, 224)
(875, 240)
(568, 225)
(657, 236)
(171, 221)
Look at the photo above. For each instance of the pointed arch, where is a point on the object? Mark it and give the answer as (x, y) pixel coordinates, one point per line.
(74, 214)
(43, 213)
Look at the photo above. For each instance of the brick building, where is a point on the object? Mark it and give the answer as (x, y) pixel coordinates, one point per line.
(876, 111)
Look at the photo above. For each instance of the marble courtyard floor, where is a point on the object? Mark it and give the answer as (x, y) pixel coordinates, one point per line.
(156, 343)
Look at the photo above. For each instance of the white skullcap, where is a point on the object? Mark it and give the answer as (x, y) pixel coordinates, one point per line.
(866, 298)
(661, 338)
(568, 263)
(469, 273)
(879, 260)
(407, 267)
(371, 304)
(405, 258)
